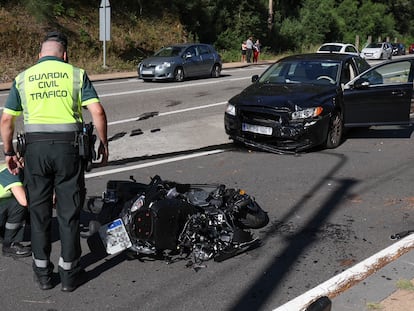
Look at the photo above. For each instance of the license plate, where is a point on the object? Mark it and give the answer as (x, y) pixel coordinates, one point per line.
(258, 129)
(115, 237)
(146, 72)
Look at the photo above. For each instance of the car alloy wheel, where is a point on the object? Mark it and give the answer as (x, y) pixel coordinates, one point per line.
(335, 131)
(179, 74)
(215, 73)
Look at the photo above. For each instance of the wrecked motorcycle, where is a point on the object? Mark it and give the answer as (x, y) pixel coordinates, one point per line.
(177, 221)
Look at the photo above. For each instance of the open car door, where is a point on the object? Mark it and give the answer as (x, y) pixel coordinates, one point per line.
(381, 95)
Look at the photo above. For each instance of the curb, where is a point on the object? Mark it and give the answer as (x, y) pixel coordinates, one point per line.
(345, 280)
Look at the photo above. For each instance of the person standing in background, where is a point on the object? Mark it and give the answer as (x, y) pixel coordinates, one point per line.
(256, 51)
(249, 47)
(243, 51)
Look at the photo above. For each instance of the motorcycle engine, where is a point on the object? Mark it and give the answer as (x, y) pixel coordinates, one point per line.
(206, 234)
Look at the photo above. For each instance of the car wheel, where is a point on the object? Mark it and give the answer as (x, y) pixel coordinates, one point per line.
(335, 131)
(179, 74)
(215, 72)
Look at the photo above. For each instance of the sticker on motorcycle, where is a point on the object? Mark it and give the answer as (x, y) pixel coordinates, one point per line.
(115, 237)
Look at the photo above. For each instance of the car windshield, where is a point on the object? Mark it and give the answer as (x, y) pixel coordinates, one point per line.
(302, 71)
(169, 51)
(374, 46)
(331, 48)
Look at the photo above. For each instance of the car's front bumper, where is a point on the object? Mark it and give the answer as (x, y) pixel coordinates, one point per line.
(156, 74)
(284, 137)
(371, 56)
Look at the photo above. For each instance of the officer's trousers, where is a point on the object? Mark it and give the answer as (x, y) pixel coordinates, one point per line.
(12, 219)
(55, 167)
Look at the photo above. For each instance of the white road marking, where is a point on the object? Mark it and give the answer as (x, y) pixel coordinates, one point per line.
(157, 89)
(160, 114)
(169, 112)
(154, 163)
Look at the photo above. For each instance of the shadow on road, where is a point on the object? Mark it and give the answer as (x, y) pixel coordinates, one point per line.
(255, 296)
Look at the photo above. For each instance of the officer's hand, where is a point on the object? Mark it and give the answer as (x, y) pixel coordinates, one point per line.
(103, 152)
(13, 164)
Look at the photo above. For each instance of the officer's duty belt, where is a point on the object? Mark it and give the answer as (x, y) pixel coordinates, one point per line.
(57, 136)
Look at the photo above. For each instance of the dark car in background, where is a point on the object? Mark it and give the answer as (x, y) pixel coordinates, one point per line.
(180, 61)
(307, 100)
(398, 49)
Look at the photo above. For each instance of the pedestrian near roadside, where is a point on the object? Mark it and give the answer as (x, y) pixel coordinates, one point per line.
(249, 47)
(256, 51)
(243, 51)
(13, 214)
(51, 95)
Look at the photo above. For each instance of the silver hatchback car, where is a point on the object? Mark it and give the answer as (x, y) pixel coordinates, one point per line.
(180, 61)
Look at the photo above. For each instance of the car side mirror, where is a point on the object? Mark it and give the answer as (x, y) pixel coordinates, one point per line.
(255, 78)
(361, 83)
(188, 55)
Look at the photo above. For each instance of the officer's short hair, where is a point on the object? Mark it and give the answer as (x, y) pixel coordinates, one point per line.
(58, 37)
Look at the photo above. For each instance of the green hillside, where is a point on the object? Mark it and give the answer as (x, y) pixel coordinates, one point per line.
(139, 27)
(131, 39)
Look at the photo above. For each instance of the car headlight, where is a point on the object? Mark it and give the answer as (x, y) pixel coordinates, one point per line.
(164, 65)
(231, 109)
(307, 113)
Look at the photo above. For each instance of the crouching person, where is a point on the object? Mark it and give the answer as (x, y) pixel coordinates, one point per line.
(13, 212)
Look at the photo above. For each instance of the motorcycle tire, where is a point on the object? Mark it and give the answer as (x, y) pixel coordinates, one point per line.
(254, 220)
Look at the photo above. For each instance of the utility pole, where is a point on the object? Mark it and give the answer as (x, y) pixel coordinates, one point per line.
(270, 17)
(104, 26)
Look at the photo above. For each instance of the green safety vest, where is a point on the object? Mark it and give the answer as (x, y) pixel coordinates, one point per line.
(50, 93)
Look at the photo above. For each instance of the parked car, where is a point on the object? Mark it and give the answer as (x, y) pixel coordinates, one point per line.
(411, 48)
(398, 49)
(307, 100)
(379, 50)
(180, 61)
(338, 48)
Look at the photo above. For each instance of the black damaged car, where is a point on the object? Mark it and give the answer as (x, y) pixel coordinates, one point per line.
(307, 100)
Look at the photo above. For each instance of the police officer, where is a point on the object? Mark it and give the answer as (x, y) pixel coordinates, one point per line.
(51, 95)
(13, 211)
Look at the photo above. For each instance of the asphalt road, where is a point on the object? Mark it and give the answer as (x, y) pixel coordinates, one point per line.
(328, 209)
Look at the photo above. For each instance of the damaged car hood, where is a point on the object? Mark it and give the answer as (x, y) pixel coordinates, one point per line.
(286, 96)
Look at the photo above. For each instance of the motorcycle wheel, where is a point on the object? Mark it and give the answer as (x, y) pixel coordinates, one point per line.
(255, 220)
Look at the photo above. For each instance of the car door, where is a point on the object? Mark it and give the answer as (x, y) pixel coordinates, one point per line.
(388, 50)
(381, 95)
(192, 61)
(207, 59)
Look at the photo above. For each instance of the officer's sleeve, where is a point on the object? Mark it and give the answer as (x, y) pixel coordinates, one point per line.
(8, 180)
(89, 94)
(13, 104)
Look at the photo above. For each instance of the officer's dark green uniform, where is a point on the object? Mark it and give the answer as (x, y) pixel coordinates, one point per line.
(51, 95)
(12, 214)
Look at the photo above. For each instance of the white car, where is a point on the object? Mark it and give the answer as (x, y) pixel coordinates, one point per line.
(338, 48)
(377, 50)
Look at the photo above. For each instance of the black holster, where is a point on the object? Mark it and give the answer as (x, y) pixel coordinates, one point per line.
(86, 143)
(21, 144)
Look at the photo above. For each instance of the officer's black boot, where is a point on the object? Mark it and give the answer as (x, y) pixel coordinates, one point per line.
(43, 276)
(72, 279)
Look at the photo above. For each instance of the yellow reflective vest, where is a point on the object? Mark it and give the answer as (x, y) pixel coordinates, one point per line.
(51, 96)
